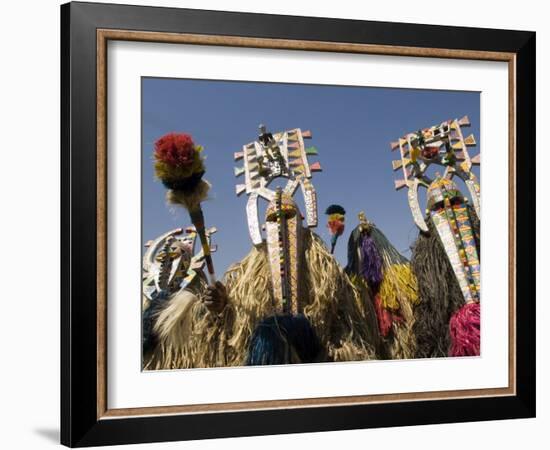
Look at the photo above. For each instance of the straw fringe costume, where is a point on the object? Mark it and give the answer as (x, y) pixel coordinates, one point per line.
(440, 293)
(389, 287)
(288, 300)
(174, 284)
(190, 336)
(446, 255)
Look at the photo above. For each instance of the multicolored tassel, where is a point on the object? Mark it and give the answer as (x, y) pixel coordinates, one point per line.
(180, 168)
(336, 223)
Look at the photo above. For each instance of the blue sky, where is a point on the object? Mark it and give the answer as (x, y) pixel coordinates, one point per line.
(352, 128)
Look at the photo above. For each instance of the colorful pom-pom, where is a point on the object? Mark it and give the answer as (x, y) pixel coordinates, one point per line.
(464, 328)
(178, 163)
(336, 223)
(175, 149)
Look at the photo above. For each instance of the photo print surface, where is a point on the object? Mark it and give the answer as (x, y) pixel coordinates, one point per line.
(295, 223)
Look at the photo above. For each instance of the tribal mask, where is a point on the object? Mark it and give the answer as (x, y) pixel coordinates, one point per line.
(449, 213)
(444, 145)
(441, 145)
(169, 264)
(283, 229)
(280, 155)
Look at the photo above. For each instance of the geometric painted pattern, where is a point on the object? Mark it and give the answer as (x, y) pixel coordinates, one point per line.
(443, 145)
(284, 250)
(170, 272)
(292, 163)
(451, 218)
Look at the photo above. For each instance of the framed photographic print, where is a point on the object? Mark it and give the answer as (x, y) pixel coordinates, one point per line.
(274, 224)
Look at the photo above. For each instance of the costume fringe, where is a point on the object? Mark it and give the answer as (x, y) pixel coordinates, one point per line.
(440, 294)
(283, 339)
(188, 335)
(385, 319)
(403, 345)
(189, 199)
(399, 284)
(334, 306)
(371, 267)
(395, 295)
(193, 337)
(398, 287)
(464, 328)
(367, 304)
(388, 252)
(150, 310)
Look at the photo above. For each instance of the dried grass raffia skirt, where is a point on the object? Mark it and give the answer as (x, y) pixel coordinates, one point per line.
(190, 336)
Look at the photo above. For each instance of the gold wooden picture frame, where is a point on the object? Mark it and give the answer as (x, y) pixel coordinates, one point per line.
(87, 418)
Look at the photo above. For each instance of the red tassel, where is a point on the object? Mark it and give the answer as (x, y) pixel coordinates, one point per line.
(385, 318)
(464, 328)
